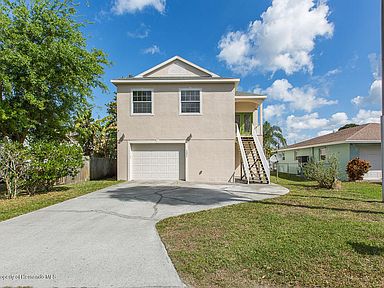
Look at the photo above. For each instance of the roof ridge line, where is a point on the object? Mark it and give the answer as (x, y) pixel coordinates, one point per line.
(362, 128)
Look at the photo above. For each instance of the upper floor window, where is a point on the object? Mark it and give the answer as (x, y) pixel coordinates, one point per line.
(141, 102)
(190, 101)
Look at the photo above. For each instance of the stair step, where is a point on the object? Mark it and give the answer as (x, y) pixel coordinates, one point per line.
(255, 164)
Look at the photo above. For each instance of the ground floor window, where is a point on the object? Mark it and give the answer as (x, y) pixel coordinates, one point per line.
(302, 159)
(322, 154)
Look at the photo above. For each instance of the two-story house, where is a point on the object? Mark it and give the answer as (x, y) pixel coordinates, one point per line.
(179, 121)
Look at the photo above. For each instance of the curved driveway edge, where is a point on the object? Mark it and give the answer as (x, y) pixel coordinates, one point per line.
(108, 238)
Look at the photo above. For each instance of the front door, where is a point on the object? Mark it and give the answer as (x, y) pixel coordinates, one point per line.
(244, 120)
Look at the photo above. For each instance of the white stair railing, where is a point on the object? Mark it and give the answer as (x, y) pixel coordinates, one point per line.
(243, 155)
(260, 150)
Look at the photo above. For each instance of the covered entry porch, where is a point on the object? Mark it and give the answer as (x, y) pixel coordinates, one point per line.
(250, 162)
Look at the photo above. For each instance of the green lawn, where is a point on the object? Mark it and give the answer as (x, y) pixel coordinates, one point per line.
(309, 238)
(10, 208)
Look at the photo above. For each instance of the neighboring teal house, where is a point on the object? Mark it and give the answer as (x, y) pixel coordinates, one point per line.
(362, 141)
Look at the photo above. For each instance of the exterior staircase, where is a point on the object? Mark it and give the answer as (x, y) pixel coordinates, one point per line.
(254, 162)
(256, 169)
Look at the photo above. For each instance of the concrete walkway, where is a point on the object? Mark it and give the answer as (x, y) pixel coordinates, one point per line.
(108, 238)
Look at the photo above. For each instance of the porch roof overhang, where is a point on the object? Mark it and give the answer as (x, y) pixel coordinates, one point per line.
(258, 99)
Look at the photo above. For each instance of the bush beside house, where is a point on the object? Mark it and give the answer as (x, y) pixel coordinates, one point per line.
(37, 167)
(356, 168)
(323, 172)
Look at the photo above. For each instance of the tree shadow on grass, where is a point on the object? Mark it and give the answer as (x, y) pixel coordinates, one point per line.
(365, 249)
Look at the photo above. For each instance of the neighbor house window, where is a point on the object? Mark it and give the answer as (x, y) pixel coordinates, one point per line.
(323, 153)
(190, 101)
(302, 159)
(141, 102)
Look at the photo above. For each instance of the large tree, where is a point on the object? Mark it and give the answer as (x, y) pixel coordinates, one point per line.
(273, 138)
(97, 137)
(346, 126)
(46, 71)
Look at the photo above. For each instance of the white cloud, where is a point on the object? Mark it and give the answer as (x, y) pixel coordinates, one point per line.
(324, 132)
(273, 111)
(140, 33)
(299, 98)
(339, 119)
(375, 61)
(299, 128)
(374, 93)
(367, 116)
(332, 72)
(312, 120)
(131, 6)
(314, 125)
(283, 39)
(154, 49)
(309, 121)
(294, 137)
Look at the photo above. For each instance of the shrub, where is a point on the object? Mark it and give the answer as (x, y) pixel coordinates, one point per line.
(323, 172)
(13, 167)
(51, 161)
(356, 168)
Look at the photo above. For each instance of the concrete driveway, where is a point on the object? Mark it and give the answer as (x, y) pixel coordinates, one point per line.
(108, 238)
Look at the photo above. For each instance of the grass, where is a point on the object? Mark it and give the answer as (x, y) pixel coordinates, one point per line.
(10, 208)
(308, 238)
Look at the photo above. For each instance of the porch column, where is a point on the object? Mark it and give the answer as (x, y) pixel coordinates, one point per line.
(256, 117)
(261, 119)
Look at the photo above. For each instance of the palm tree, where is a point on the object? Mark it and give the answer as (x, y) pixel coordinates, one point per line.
(273, 138)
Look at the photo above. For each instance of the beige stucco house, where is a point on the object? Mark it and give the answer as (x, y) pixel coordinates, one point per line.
(179, 121)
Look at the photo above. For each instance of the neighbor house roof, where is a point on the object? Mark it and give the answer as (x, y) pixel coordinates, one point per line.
(366, 133)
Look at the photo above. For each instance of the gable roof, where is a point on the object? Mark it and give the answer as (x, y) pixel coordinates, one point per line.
(173, 59)
(366, 133)
(201, 76)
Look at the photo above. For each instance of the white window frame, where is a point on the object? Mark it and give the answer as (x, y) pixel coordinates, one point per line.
(201, 101)
(323, 152)
(152, 101)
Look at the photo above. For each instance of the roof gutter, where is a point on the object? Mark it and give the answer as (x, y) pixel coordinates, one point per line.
(310, 146)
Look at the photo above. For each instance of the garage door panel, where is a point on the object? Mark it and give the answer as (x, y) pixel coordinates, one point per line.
(157, 161)
(372, 154)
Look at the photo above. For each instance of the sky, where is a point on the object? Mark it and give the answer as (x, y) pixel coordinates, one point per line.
(317, 61)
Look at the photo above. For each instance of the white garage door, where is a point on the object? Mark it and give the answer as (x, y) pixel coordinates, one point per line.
(372, 153)
(157, 162)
